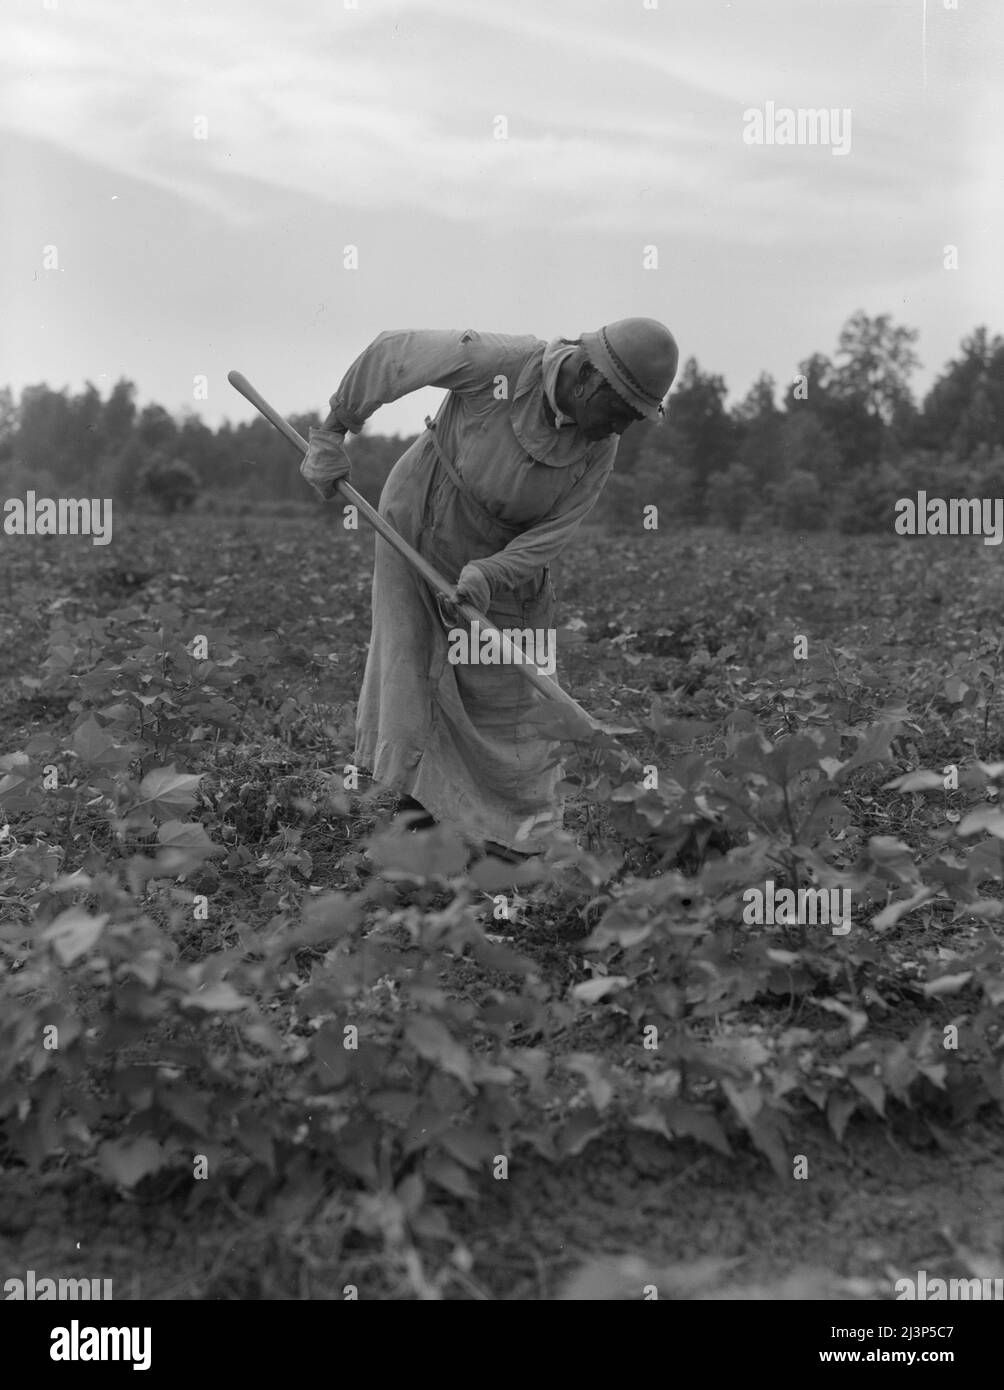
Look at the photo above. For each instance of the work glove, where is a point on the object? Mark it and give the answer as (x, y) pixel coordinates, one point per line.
(474, 587)
(325, 463)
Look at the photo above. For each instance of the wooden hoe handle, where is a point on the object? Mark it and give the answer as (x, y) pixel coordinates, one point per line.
(436, 581)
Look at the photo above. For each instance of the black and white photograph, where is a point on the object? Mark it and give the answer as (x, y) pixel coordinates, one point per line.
(502, 669)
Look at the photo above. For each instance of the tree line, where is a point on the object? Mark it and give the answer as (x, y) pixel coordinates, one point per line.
(833, 447)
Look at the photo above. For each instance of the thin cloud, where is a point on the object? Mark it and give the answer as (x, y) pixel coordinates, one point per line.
(329, 125)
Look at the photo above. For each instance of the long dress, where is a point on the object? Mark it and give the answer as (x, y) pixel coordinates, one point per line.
(454, 736)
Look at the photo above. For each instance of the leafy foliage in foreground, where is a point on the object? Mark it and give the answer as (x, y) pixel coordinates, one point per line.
(188, 985)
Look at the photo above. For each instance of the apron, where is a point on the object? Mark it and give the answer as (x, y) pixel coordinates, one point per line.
(456, 737)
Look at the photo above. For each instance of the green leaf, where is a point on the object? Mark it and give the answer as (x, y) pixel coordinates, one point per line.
(893, 857)
(987, 818)
(218, 998)
(20, 772)
(434, 852)
(411, 1194)
(433, 1041)
(184, 846)
(604, 935)
(394, 1107)
(126, 1161)
(74, 932)
(534, 1063)
(857, 1019)
(839, 1110)
(746, 1101)
(146, 966)
(919, 781)
(580, 1130)
(947, 984)
(592, 990)
(899, 1069)
(328, 917)
(94, 747)
(442, 1171)
(652, 1120)
(698, 1124)
(874, 745)
(493, 875)
(332, 1060)
(986, 861)
(890, 915)
(257, 1141)
(186, 1104)
(594, 1071)
(473, 1147)
(872, 1090)
(168, 790)
(768, 1133)
(789, 756)
(676, 730)
(356, 1149)
(184, 834)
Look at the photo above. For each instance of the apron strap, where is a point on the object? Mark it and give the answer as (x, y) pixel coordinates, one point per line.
(430, 425)
(461, 486)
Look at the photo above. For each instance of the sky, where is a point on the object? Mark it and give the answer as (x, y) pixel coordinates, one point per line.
(181, 180)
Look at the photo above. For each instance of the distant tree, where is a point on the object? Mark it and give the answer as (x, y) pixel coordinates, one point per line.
(816, 393)
(702, 430)
(802, 503)
(858, 399)
(200, 448)
(758, 424)
(700, 435)
(812, 386)
(156, 429)
(118, 416)
(8, 423)
(759, 405)
(805, 445)
(735, 492)
(170, 482)
(866, 502)
(634, 441)
(905, 430)
(256, 462)
(965, 406)
(45, 432)
(16, 478)
(878, 361)
(87, 428)
(984, 470)
(662, 478)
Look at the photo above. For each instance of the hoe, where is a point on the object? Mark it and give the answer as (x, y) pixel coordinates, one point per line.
(436, 581)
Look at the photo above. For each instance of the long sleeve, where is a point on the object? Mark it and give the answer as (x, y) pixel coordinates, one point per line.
(539, 545)
(404, 360)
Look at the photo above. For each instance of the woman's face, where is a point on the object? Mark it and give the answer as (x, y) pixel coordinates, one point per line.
(601, 411)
